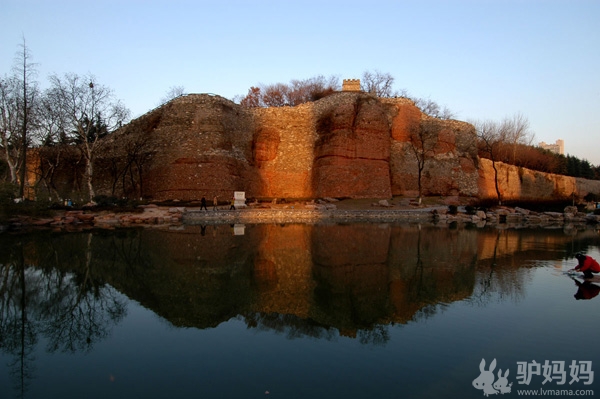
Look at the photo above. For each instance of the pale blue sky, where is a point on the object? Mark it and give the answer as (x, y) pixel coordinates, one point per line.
(483, 59)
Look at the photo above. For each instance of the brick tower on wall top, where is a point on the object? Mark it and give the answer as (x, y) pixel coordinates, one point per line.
(351, 85)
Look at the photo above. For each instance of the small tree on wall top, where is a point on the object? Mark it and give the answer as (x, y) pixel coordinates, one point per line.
(295, 93)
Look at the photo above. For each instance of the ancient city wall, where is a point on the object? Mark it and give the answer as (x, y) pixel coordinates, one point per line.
(348, 144)
(357, 145)
(283, 151)
(352, 147)
(194, 146)
(517, 183)
(452, 161)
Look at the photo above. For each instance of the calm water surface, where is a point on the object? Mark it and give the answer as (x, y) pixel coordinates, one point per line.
(295, 311)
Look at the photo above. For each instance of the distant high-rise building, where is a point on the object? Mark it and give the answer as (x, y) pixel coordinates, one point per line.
(557, 148)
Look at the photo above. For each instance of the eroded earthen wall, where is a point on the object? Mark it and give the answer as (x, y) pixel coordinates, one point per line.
(451, 159)
(283, 151)
(347, 144)
(515, 183)
(197, 146)
(352, 149)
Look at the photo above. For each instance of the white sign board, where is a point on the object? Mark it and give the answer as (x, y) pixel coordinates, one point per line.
(238, 229)
(239, 198)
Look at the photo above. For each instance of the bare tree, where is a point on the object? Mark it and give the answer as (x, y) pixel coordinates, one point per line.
(379, 83)
(275, 95)
(491, 136)
(494, 138)
(253, 99)
(52, 140)
(9, 125)
(295, 93)
(423, 140)
(432, 108)
(89, 111)
(50, 160)
(302, 91)
(129, 168)
(173, 92)
(517, 132)
(18, 97)
(53, 124)
(28, 93)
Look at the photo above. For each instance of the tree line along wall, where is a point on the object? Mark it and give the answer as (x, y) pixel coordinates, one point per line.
(348, 144)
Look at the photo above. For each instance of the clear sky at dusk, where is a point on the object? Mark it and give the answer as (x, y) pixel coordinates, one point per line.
(483, 59)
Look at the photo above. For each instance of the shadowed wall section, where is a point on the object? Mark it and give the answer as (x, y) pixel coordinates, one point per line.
(352, 151)
(196, 145)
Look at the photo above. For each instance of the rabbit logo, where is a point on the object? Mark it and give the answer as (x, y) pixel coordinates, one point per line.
(485, 381)
(501, 383)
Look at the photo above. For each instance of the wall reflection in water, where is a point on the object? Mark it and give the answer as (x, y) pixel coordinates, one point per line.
(300, 280)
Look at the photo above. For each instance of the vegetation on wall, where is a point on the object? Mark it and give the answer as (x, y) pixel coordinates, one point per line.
(298, 92)
(511, 141)
(295, 93)
(542, 160)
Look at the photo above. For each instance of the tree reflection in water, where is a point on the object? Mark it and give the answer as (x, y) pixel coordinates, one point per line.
(18, 330)
(60, 299)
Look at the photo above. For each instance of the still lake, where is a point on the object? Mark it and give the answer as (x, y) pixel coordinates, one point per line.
(297, 311)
